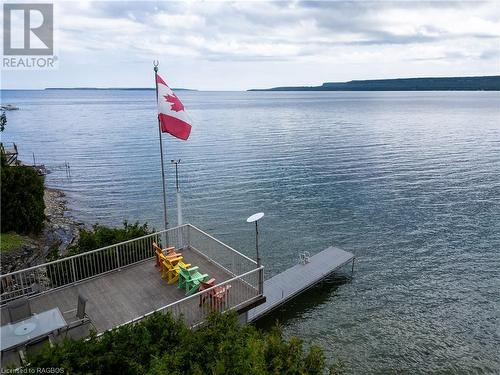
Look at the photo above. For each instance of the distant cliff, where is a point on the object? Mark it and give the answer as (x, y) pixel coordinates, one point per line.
(404, 84)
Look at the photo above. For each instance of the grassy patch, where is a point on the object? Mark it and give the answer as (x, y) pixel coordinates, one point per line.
(9, 241)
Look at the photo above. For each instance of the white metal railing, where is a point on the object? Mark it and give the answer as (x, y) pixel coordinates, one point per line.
(219, 253)
(241, 290)
(70, 270)
(74, 269)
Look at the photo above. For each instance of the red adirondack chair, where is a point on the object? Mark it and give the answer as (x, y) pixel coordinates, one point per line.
(216, 297)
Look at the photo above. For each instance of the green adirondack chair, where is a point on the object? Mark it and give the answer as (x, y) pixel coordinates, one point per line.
(189, 279)
(183, 277)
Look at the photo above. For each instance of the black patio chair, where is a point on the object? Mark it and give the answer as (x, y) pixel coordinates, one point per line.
(19, 309)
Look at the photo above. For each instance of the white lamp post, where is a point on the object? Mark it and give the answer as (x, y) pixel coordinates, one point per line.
(254, 219)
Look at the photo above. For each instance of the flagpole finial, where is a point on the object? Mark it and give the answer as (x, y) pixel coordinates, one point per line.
(155, 64)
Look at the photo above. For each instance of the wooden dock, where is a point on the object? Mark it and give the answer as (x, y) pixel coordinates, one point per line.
(118, 297)
(295, 280)
(9, 153)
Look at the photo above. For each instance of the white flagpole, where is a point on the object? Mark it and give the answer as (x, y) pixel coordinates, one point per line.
(179, 209)
(165, 217)
(179, 203)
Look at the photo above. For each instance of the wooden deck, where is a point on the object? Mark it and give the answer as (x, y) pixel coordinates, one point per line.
(120, 296)
(286, 285)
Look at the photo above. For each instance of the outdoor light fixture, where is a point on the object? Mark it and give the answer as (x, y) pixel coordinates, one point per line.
(254, 219)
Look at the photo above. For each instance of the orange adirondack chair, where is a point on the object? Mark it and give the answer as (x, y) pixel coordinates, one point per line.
(160, 254)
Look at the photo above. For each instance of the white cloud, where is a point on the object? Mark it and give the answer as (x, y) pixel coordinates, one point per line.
(309, 36)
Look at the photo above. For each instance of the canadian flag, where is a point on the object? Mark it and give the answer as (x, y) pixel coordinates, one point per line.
(173, 119)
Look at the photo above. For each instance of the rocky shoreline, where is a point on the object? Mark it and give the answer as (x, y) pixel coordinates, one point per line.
(60, 231)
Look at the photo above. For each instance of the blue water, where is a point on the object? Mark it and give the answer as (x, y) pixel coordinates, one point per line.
(409, 182)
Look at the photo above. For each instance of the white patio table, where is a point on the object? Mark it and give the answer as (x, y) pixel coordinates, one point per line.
(36, 326)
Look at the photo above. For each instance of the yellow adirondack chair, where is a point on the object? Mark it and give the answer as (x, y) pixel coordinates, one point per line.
(171, 268)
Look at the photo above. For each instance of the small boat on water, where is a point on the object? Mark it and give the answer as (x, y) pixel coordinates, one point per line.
(9, 107)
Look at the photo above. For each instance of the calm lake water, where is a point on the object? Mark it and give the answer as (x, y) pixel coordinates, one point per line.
(409, 182)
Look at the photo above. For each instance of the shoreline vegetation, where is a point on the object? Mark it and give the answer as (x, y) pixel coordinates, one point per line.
(35, 223)
(62, 235)
(482, 83)
(60, 231)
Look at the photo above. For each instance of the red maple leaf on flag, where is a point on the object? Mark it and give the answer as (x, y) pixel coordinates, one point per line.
(176, 103)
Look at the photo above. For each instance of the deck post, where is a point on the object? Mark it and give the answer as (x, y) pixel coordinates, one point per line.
(73, 270)
(21, 282)
(261, 281)
(117, 258)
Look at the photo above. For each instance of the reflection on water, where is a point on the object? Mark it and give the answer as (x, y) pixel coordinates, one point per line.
(306, 303)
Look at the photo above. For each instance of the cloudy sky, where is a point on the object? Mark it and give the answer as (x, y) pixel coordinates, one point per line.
(218, 45)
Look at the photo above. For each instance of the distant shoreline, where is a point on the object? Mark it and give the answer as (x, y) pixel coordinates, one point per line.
(483, 83)
(113, 88)
(477, 83)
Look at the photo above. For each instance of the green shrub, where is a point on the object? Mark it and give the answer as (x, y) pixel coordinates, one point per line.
(22, 199)
(163, 345)
(3, 121)
(101, 236)
(87, 265)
